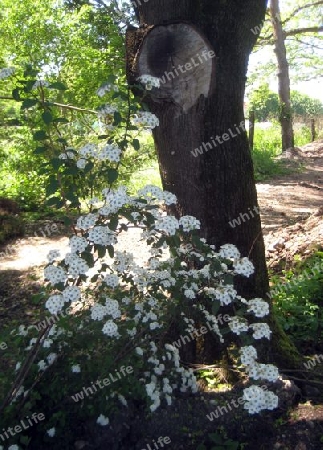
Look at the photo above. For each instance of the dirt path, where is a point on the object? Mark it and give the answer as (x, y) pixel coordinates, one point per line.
(288, 199)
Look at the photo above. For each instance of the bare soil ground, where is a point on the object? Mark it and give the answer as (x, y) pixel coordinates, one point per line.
(292, 217)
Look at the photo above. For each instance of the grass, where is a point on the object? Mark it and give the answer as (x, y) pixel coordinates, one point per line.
(298, 297)
(267, 146)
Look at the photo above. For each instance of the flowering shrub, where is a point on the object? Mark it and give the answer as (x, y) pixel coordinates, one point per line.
(118, 311)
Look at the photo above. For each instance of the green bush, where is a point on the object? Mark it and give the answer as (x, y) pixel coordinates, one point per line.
(298, 300)
(10, 226)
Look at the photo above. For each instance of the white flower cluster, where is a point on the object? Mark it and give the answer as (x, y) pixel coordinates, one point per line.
(71, 294)
(244, 267)
(257, 399)
(112, 308)
(115, 199)
(111, 280)
(53, 255)
(111, 152)
(259, 307)
(107, 87)
(102, 235)
(107, 110)
(66, 155)
(152, 193)
(146, 120)
(78, 244)
(81, 163)
(267, 372)
(98, 312)
(55, 274)
(76, 265)
(248, 355)
(167, 224)
(226, 294)
(88, 150)
(229, 251)
(238, 325)
(86, 222)
(6, 72)
(110, 328)
(55, 304)
(189, 223)
(40, 83)
(260, 330)
(149, 81)
(102, 420)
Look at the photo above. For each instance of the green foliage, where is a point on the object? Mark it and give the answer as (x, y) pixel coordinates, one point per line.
(298, 300)
(220, 441)
(265, 103)
(10, 226)
(267, 146)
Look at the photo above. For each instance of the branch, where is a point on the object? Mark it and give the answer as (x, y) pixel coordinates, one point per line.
(300, 8)
(304, 30)
(61, 105)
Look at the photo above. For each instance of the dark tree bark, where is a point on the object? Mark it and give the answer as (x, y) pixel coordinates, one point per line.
(202, 108)
(285, 115)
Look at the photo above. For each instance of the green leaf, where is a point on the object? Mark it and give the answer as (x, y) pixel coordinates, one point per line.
(89, 166)
(71, 170)
(136, 144)
(110, 249)
(216, 438)
(227, 279)
(57, 163)
(54, 201)
(201, 447)
(16, 95)
(30, 71)
(112, 175)
(39, 135)
(29, 103)
(52, 188)
(215, 307)
(101, 250)
(113, 223)
(88, 256)
(24, 440)
(29, 85)
(47, 117)
(58, 85)
(67, 221)
(40, 150)
(117, 118)
(111, 78)
(37, 298)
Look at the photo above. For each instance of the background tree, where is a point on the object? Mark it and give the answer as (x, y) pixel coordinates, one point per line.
(285, 115)
(295, 36)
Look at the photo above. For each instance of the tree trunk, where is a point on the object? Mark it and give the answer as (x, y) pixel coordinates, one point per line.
(201, 141)
(285, 116)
